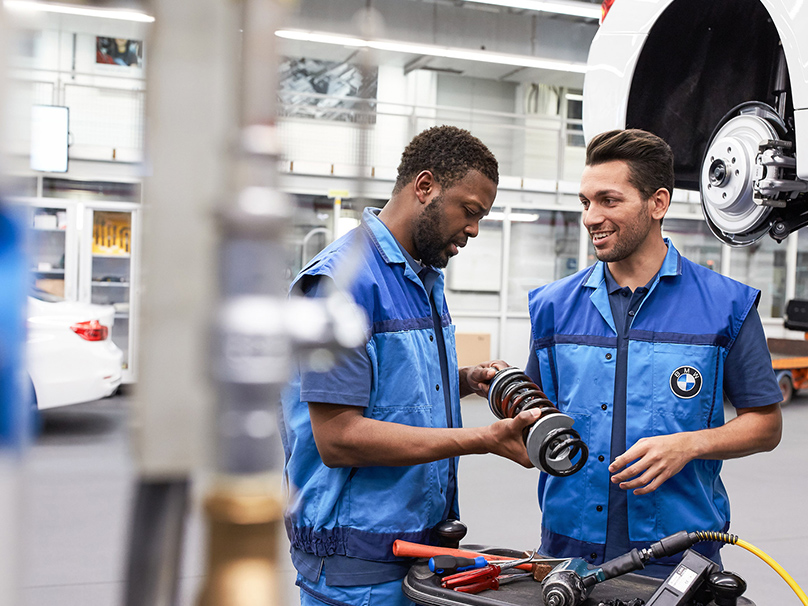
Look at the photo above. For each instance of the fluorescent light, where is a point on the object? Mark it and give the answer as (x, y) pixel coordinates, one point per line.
(574, 9)
(515, 217)
(69, 9)
(435, 51)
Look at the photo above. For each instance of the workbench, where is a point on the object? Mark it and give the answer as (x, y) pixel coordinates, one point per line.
(423, 587)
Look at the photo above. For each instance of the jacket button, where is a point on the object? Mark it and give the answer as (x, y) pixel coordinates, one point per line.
(608, 356)
(601, 458)
(599, 507)
(437, 387)
(431, 337)
(631, 313)
(603, 407)
(593, 556)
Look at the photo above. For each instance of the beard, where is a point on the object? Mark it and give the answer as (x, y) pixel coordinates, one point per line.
(631, 236)
(428, 236)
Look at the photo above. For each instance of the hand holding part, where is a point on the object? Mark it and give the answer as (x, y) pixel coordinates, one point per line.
(479, 377)
(552, 445)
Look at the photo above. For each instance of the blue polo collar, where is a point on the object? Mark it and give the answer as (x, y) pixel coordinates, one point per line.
(385, 242)
(391, 250)
(671, 266)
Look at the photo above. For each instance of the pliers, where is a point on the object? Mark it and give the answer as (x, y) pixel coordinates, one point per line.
(494, 583)
(488, 577)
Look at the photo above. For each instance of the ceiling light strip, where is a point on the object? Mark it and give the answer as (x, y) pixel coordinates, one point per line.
(573, 9)
(435, 51)
(67, 9)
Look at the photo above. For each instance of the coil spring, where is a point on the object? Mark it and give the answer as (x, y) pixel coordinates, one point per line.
(512, 392)
(720, 537)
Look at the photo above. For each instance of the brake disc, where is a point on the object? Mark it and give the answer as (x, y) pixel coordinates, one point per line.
(728, 174)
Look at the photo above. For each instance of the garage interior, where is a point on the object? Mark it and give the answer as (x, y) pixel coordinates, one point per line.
(344, 113)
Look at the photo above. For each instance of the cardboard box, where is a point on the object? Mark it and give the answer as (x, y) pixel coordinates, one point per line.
(473, 348)
(52, 286)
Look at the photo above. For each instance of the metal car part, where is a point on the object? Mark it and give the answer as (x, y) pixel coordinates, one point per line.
(728, 174)
(552, 445)
(748, 178)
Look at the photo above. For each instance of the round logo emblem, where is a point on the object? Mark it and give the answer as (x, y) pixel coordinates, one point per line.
(686, 382)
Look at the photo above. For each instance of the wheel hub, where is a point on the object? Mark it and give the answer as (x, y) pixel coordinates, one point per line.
(727, 178)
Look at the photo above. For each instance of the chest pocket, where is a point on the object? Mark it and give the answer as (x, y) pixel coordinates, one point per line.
(686, 384)
(402, 377)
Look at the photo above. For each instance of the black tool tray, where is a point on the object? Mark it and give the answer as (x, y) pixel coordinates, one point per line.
(423, 587)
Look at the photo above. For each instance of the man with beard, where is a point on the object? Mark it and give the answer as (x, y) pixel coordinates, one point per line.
(639, 350)
(371, 445)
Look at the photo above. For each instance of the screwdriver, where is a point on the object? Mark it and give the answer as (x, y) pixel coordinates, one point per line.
(446, 564)
(492, 583)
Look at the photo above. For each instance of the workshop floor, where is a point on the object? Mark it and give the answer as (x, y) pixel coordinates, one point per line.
(78, 483)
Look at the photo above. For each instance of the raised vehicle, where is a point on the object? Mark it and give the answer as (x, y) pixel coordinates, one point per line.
(725, 83)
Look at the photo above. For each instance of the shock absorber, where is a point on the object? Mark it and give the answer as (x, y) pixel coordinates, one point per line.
(552, 445)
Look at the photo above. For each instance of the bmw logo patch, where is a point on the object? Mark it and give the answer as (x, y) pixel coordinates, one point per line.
(686, 382)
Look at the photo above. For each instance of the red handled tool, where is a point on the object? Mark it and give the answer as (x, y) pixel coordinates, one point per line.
(493, 583)
(471, 576)
(405, 549)
(492, 571)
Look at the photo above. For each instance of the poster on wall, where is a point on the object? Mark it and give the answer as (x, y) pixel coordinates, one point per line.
(328, 90)
(119, 51)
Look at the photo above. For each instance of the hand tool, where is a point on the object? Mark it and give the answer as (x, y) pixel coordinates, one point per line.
(405, 549)
(487, 571)
(493, 570)
(447, 564)
(492, 583)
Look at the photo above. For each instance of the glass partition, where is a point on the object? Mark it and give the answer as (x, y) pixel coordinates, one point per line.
(801, 291)
(763, 266)
(474, 276)
(544, 248)
(694, 240)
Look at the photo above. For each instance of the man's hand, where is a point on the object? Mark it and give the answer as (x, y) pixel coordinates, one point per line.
(654, 461)
(346, 438)
(475, 379)
(506, 436)
(651, 461)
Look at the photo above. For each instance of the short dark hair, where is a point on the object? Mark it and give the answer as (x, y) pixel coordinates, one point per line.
(449, 153)
(649, 158)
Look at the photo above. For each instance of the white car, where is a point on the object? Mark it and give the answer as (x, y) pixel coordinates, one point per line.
(725, 83)
(70, 355)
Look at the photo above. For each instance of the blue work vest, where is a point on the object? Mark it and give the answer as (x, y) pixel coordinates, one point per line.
(359, 512)
(678, 341)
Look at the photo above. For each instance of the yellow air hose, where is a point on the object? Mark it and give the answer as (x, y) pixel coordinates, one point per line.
(734, 540)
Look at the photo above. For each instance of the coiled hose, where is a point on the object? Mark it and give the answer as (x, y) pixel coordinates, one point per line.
(731, 539)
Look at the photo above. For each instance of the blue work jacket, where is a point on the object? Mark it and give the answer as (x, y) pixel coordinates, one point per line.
(359, 512)
(678, 341)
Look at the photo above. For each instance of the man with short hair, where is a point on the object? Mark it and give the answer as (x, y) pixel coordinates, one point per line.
(371, 445)
(639, 350)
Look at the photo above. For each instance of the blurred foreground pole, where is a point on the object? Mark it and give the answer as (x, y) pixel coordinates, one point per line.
(13, 405)
(251, 346)
(193, 56)
(213, 255)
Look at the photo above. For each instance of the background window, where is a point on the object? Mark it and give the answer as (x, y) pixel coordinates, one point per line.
(544, 248)
(763, 265)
